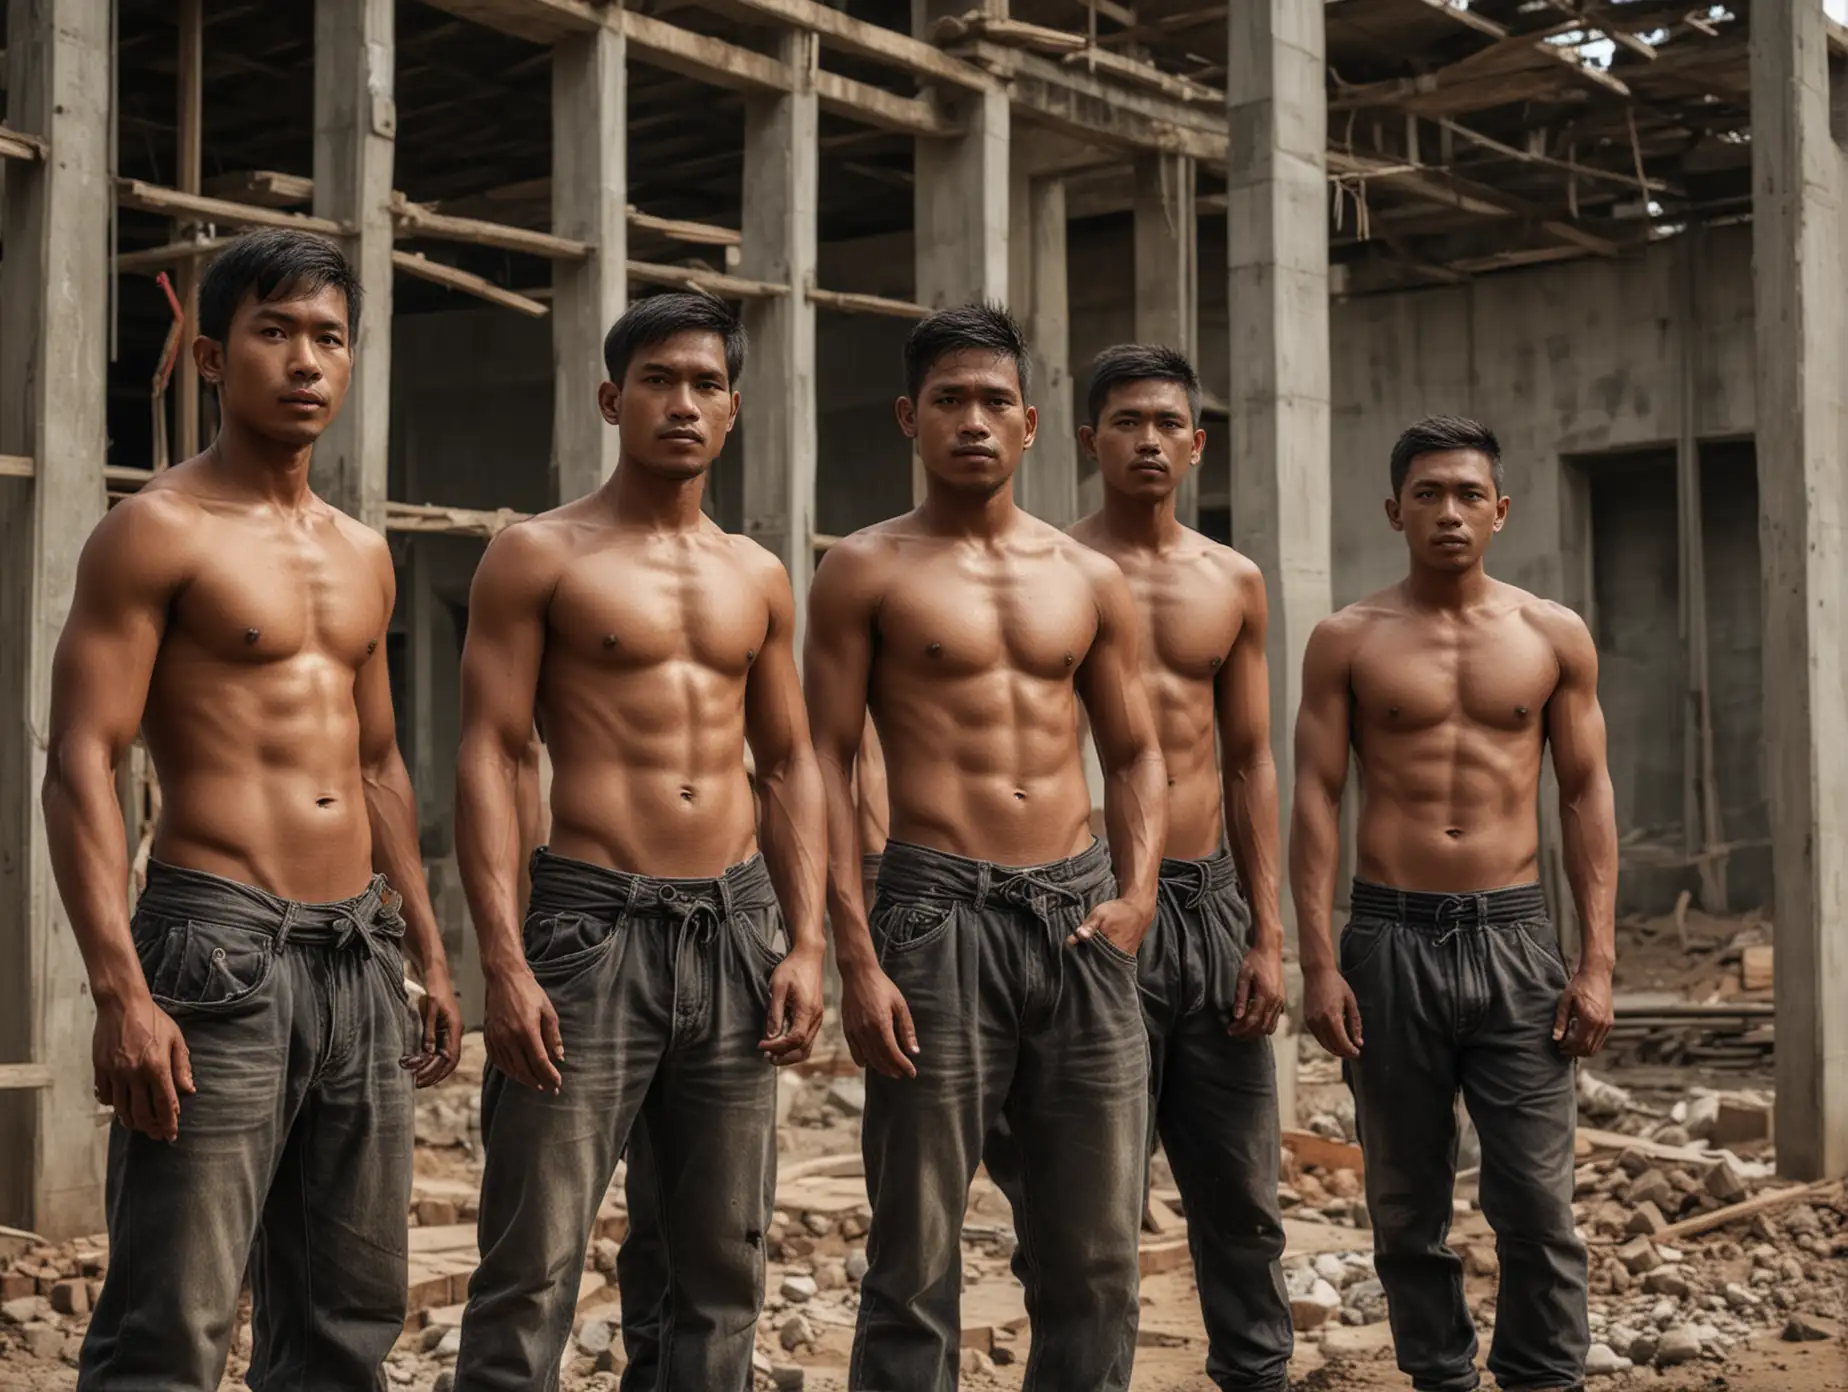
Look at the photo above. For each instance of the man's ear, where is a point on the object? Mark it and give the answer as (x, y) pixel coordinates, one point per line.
(907, 412)
(609, 402)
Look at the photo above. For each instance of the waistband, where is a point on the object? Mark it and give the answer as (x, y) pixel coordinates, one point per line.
(909, 870)
(559, 882)
(1195, 879)
(174, 891)
(1448, 912)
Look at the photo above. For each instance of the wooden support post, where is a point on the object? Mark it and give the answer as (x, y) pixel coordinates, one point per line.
(54, 337)
(1802, 337)
(1277, 235)
(355, 129)
(589, 203)
(1047, 485)
(1168, 275)
(190, 101)
(782, 171)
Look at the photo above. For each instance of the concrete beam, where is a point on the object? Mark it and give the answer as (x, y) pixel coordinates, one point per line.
(589, 203)
(53, 362)
(1167, 306)
(782, 175)
(1802, 338)
(1277, 238)
(355, 136)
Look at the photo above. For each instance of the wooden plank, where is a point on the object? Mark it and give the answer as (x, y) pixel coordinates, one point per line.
(839, 30)
(1768, 1202)
(20, 1077)
(20, 146)
(680, 230)
(151, 259)
(449, 521)
(852, 302)
(414, 220)
(1001, 29)
(269, 187)
(1311, 1149)
(15, 466)
(537, 21)
(152, 198)
(1148, 75)
(415, 263)
(848, 1164)
(843, 96)
(725, 287)
(1756, 967)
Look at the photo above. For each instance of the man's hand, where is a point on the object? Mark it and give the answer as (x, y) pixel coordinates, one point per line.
(795, 1008)
(1119, 920)
(1585, 1014)
(1332, 1012)
(877, 1023)
(442, 1032)
(1257, 1003)
(521, 1031)
(142, 1065)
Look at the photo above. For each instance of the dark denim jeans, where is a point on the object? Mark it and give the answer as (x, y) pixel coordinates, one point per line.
(1458, 991)
(661, 988)
(1012, 1023)
(293, 1161)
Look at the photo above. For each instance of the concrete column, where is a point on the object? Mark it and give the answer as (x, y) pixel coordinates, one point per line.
(54, 282)
(1047, 485)
(961, 205)
(782, 171)
(1168, 273)
(355, 130)
(1277, 235)
(590, 183)
(1797, 274)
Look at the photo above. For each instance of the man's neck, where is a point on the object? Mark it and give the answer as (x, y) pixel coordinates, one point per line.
(641, 498)
(958, 512)
(1451, 590)
(1139, 524)
(264, 470)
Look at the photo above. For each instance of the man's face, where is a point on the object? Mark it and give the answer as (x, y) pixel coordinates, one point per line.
(1448, 508)
(1145, 440)
(675, 405)
(970, 421)
(284, 366)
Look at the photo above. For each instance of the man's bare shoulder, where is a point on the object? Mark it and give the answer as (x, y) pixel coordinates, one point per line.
(1238, 569)
(532, 554)
(151, 536)
(762, 566)
(871, 550)
(1562, 627)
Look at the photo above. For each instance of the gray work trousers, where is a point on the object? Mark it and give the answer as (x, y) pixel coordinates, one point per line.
(293, 1162)
(1011, 1022)
(1459, 991)
(661, 987)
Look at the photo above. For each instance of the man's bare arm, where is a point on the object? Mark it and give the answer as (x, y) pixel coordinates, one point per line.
(793, 822)
(131, 570)
(1248, 782)
(1109, 682)
(500, 676)
(1588, 821)
(837, 665)
(1323, 726)
(391, 813)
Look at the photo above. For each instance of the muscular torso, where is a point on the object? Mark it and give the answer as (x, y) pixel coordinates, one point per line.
(975, 649)
(1449, 722)
(649, 642)
(1192, 615)
(251, 719)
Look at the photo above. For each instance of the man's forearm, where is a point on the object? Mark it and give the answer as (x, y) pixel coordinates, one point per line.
(1136, 825)
(1251, 824)
(795, 836)
(1315, 851)
(853, 940)
(397, 853)
(488, 853)
(89, 860)
(1588, 824)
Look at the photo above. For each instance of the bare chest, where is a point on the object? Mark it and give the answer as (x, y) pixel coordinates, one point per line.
(1190, 620)
(271, 593)
(632, 607)
(1494, 676)
(960, 616)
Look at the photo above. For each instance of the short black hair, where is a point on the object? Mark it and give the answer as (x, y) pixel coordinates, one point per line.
(1434, 434)
(961, 327)
(274, 263)
(657, 318)
(1140, 362)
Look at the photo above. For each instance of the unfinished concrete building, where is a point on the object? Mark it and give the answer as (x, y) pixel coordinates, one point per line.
(1611, 228)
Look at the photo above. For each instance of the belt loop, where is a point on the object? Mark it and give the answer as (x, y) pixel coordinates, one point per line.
(981, 885)
(629, 898)
(725, 895)
(288, 922)
(1482, 910)
(1399, 894)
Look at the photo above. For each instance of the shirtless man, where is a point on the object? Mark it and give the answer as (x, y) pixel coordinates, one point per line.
(252, 1033)
(1449, 686)
(998, 976)
(1211, 967)
(653, 982)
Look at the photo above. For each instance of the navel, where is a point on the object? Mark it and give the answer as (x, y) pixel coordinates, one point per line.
(324, 802)
(1019, 796)
(687, 794)
(1453, 832)
(252, 634)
